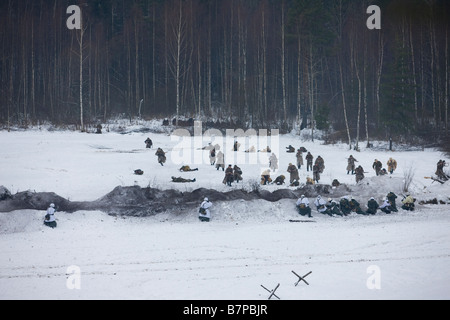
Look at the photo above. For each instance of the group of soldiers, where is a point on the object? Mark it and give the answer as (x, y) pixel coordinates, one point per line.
(347, 205)
(377, 166)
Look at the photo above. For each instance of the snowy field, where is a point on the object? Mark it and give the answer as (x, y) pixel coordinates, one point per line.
(247, 244)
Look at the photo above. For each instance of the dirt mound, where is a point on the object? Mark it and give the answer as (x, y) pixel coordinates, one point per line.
(137, 201)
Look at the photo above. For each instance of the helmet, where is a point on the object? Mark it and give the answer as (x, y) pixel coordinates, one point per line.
(52, 205)
(206, 199)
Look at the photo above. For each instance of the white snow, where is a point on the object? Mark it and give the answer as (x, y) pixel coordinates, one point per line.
(246, 245)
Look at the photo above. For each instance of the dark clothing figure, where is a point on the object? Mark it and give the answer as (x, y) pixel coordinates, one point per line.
(344, 205)
(351, 164)
(377, 165)
(391, 198)
(290, 149)
(359, 174)
(316, 173)
(237, 174)
(309, 161)
(99, 129)
(440, 171)
(236, 146)
(335, 183)
(228, 179)
(138, 172)
(212, 156)
(279, 180)
(182, 180)
(372, 206)
(148, 143)
(355, 207)
(293, 171)
(161, 156)
(334, 208)
(321, 163)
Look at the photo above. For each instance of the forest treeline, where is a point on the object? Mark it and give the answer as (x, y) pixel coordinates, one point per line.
(253, 63)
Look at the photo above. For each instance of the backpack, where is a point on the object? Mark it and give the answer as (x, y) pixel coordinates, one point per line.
(202, 211)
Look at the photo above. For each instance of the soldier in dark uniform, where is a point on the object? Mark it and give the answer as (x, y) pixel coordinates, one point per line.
(355, 207)
(279, 180)
(182, 180)
(228, 179)
(391, 198)
(237, 174)
(344, 205)
(309, 161)
(148, 143)
(372, 206)
(359, 174)
(161, 156)
(377, 165)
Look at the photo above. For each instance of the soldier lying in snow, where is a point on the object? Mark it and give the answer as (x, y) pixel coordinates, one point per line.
(181, 180)
(187, 169)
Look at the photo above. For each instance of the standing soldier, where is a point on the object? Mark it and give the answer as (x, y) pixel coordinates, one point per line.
(359, 174)
(237, 173)
(377, 165)
(273, 162)
(392, 165)
(321, 163)
(220, 161)
(148, 143)
(309, 161)
(212, 156)
(440, 171)
(351, 164)
(299, 156)
(161, 156)
(391, 198)
(293, 173)
(228, 179)
(316, 173)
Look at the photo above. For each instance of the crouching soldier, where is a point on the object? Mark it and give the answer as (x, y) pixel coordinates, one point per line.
(386, 206)
(334, 208)
(279, 180)
(344, 205)
(50, 220)
(320, 205)
(355, 206)
(372, 206)
(408, 203)
(391, 198)
(303, 206)
(204, 213)
(265, 177)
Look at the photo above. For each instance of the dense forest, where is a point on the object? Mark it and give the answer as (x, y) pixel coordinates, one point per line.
(288, 64)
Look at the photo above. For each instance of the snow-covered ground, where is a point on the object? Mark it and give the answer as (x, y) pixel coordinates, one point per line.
(247, 244)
